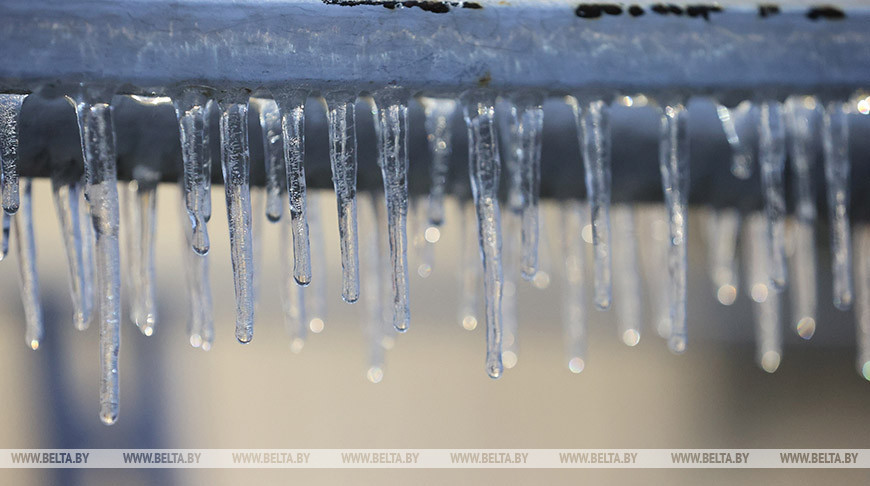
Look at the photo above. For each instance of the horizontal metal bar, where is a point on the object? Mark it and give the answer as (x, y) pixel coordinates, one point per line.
(146, 46)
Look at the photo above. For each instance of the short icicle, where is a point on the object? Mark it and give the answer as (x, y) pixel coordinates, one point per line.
(573, 216)
(10, 112)
(292, 106)
(342, 155)
(835, 143)
(236, 164)
(392, 123)
(66, 195)
(439, 117)
(593, 120)
(627, 275)
(273, 156)
(484, 171)
(674, 166)
(741, 153)
(723, 230)
(530, 127)
(768, 336)
(98, 147)
(192, 111)
(25, 243)
(771, 156)
(801, 121)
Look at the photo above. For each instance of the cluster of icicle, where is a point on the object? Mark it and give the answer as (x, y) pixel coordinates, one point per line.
(89, 216)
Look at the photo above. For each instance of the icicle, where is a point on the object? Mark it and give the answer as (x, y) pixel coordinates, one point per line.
(25, 242)
(768, 338)
(292, 294)
(439, 115)
(627, 271)
(593, 120)
(800, 115)
(192, 111)
(6, 222)
(573, 216)
(469, 269)
(316, 301)
(862, 262)
(510, 254)
(835, 140)
(273, 155)
(86, 229)
(66, 204)
(531, 123)
(422, 237)
(741, 153)
(771, 155)
(374, 325)
(484, 167)
(342, 154)
(674, 166)
(293, 128)
(98, 147)
(140, 214)
(723, 229)
(393, 133)
(200, 327)
(236, 163)
(10, 110)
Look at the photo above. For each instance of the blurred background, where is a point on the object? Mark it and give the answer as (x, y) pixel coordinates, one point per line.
(434, 393)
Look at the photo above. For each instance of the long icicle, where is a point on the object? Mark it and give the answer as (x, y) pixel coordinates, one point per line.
(342, 155)
(469, 270)
(10, 111)
(627, 270)
(723, 230)
(292, 294)
(316, 301)
(862, 307)
(66, 203)
(98, 147)
(835, 141)
(573, 216)
(192, 111)
(273, 157)
(530, 127)
(768, 337)
(593, 120)
(25, 242)
(439, 116)
(484, 167)
(236, 164)
(143, 195)
(771, 155)
(741, 154)
(800, 117)
(674, 166)
(292, 107)
(393, 133)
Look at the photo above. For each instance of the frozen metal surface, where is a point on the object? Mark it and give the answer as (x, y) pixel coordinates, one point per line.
(149, 45)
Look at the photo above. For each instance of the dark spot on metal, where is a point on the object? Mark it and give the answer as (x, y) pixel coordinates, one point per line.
(473, 5)
(484, 80)
(635, 11)
(768, 10)
(667, 9)
(825, 12)
(425, 5)
(595, 10)
(703, 11)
